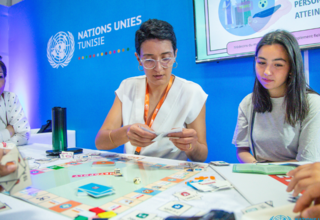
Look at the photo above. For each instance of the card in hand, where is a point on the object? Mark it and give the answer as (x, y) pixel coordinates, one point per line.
(24, 179)
(10, 158)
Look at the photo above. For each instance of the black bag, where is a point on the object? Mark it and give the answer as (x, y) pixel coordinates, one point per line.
(46, 128)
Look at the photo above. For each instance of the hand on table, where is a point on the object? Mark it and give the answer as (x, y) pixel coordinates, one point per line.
(139, 137)
(184, 140)
(11, 130)
(5, 170)
(312, 194)
(303, 176)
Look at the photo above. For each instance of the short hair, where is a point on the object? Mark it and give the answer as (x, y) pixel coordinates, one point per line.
(4, 68)
(297, 106)
(155, 29)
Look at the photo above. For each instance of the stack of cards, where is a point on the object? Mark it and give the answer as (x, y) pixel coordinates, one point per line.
(260, 206)
(210, 185)
(20, 178)
(161, 135)
(96, 190)
(45, 160)
(98, 164)
(66, 155)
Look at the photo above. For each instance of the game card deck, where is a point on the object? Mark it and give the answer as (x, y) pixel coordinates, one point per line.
(210, 185)
(66, 155)
(96, 190)
(21, 177)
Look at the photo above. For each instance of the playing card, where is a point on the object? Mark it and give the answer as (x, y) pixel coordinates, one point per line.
(24, 176)
(187, 195)
(264, 205)
(45, 160)
(98, 194)
(219, 163)
(138, 215)
(4, 145)
(175, 207)
(95, 188)
(66, 155)
(4, 207)
(147, 130)
(10, 158)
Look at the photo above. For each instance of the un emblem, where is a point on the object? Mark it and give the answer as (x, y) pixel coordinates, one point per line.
(60, 49)
(280, 217)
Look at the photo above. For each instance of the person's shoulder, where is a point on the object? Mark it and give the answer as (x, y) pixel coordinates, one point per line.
(135, 79)
(246, 100)
(314, 99)
(9, 94)
(188, 85)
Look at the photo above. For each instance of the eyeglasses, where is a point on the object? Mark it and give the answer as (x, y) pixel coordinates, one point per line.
(164, 62)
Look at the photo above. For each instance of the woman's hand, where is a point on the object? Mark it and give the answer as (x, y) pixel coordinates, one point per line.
(184, 140)
(139, 137)
(303, 176)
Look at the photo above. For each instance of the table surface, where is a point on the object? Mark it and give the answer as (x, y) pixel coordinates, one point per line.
(248, 189)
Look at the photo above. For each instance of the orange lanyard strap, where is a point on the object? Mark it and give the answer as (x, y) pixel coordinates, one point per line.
(155, 112)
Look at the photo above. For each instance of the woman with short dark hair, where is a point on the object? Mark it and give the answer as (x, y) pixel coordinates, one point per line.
(280, 120)
(157, 102)
(14, 126)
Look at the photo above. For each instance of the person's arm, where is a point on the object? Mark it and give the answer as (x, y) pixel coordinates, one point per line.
(111, 134)
(309, 138)
(194, 134)
(244, 155)
(304, 203)
(18, 124)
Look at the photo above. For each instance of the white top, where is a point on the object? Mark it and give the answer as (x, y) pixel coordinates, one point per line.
(181, 106)
(275, 140)
(11, 112)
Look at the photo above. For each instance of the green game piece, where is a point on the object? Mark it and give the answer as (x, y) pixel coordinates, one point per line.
(80, 217)
(55, 167)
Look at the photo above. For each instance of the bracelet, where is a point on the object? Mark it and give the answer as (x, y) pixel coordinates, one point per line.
(111, 138)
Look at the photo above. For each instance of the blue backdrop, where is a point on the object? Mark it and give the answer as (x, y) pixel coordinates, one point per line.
(86, 86)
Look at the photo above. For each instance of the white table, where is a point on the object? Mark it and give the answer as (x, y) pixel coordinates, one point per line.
(250, 189)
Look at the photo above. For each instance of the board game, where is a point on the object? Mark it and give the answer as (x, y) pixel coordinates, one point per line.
(56, 187)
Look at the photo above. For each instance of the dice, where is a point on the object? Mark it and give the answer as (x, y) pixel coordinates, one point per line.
(137, 180)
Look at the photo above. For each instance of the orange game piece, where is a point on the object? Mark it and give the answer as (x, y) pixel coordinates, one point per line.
(201, 178)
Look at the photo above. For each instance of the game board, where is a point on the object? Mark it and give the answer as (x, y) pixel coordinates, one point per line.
(55, 187)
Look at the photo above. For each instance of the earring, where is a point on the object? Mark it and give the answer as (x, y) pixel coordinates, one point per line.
(173, 67)
(139, 68)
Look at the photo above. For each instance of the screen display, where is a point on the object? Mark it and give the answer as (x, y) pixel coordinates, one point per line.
(227, 29)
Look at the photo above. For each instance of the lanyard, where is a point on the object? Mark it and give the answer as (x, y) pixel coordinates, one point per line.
(154, 114)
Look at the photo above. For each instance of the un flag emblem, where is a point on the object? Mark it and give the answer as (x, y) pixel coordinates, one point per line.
(280, 217)
(60, 49)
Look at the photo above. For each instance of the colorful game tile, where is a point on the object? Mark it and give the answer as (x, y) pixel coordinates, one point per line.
(53, 202)
(97, 210)
(172, 180)
(73, 212)
(55, 167)
(151, 192)
(43, 198)
(138, 196)
(110, 206)
(65, 206)
(127, 201)
(35, 172)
